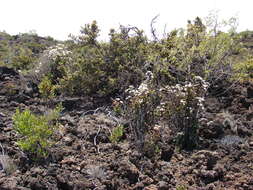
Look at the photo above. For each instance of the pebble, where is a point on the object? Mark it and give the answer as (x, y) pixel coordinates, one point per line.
(2, 114)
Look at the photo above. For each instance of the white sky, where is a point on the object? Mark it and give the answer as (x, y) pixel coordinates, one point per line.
(59, 18)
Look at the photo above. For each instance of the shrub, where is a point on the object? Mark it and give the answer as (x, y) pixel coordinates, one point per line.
(140, 108)
(105, 68)
(23, 59)
(22, 50)
(109, 68)
(46, 88)
(50, 64)
(201, 50)
(36, 131)
(117, 133)
(244, 70)
(180, 106)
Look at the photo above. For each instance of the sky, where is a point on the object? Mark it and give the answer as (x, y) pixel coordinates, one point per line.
(59, 18)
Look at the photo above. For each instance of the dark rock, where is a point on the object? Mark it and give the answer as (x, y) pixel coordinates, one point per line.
(167, 153)
(250, 91)
(162, 185)
(5, 71)
(230, 140)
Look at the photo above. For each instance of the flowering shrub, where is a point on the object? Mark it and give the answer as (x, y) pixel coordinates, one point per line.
(179, 105)
(50, 69)
(50, 62)
(139, 109)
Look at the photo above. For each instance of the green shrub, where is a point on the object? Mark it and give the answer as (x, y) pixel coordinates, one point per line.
(23, 58)
(109, 68)
(35, 131)
(104, 68)
(244, 70)
(22, 50)
(46, 88)
(117, 133)
(200, 50)
(181, 187)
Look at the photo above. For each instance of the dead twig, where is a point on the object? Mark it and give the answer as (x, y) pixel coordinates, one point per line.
(2, 149)
(153, 30)
(95, 139)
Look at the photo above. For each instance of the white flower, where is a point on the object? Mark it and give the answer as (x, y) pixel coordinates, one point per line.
(183, 102)
(142, 88)
(200, 99)
(189, 85)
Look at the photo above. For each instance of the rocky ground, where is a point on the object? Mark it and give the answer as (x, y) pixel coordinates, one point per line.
(84, 158)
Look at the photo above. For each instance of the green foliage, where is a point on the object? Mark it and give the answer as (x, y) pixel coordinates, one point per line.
(117, 133)
(104, 68)
(36, 131)
(46, 88)
(181, 187)
(109, 68)
(201, 50)
(23, 58)
(22, 50)
(244, 70)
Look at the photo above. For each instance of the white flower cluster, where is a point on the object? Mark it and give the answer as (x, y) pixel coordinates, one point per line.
(143, 89)
(180, 92)
(188, 96)
(199, 80)
(60, 50)
(50, 56)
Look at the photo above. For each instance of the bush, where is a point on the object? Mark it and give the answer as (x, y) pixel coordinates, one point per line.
(22, 50)
(109, 68)
(244, 70)
(139, 109)
(117, 133)
(36, 131)
(104, 68)
(180, 106)
(201, 50)
(46, 88)
(23, 60)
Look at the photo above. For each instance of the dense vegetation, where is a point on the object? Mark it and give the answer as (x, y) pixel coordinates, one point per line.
(152, 80)
(133, 112)
(22, 50)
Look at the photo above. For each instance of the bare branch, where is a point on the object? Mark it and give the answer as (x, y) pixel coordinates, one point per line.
(153, 30)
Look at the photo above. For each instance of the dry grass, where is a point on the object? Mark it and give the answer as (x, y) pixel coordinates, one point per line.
(6, 163)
